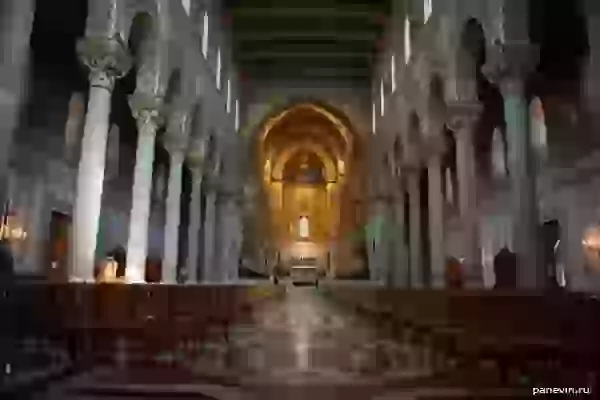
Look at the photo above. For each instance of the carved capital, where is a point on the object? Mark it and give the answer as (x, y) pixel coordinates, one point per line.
(510, 63)
(146, 109)
(106, 57)
(463, 115)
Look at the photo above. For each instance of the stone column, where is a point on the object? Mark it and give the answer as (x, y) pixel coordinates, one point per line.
(208, 267)
(510, 66)
(194, 227)
(107, 60)
(401, 266)
(381, 235)
(176, 149)
(146, 112)
(436, 222)
(226, 246)
(463, 117)
(414, 194)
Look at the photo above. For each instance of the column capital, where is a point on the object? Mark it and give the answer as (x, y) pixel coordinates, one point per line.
(510, 63)
(146, 108)
(462, 115)
(106, 57)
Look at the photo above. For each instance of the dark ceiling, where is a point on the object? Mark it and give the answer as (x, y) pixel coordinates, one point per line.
(306, 39)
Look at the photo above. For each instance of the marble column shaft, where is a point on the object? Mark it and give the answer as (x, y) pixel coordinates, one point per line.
(227, 248)
(208, 267)
(401, 267)
(508, 66)
(436, 222)
(107, 59)
(467, 199)
(194, 226)
(173, 215)
(522, 175)
(414, 194)
(137, 245)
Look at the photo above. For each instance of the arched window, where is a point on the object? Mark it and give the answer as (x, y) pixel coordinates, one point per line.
(303, 227)
(538, 127)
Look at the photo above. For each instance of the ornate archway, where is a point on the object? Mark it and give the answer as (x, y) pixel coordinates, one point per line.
(305, 159)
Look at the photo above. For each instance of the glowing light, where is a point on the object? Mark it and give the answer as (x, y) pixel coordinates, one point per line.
(393, 72)
(186, 6)
(539, 135)
(341, 167)
(427, 10)
(205, 36)
(228, 104)
(237, 115)
(374, 119)
(382, 98)
(303, 227)
(407, 42)
(218, 74)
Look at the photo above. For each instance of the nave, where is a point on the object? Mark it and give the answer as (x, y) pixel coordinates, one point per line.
(267, 341)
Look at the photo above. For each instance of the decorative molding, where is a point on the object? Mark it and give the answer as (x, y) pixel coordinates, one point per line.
(146, 108)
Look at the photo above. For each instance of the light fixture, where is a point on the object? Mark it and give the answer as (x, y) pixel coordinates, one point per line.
(12, 231)
(382, 98)
(427, 10)
(237, 115)
(393, 72)
(228, 104)
(186, 6)
(407, 42)
(374, 118)
(205, 36)
(218, 74)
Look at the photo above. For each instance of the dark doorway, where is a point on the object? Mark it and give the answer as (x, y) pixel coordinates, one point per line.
(57, 260)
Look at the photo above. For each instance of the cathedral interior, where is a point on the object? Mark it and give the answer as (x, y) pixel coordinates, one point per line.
(220, 199)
